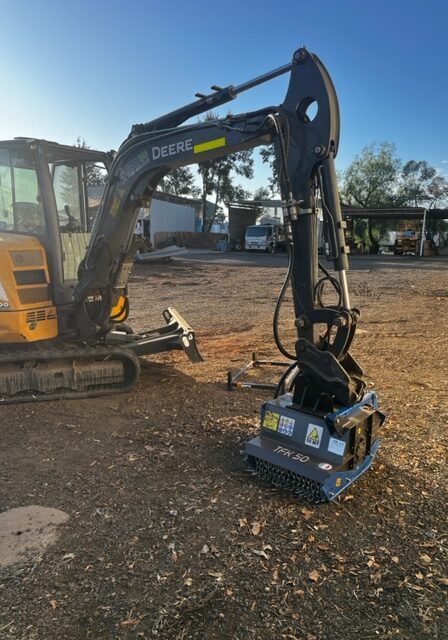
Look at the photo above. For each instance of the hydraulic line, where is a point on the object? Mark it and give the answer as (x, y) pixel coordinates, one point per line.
(319, 287)
(278, 306)
(320, 284)
(318, 290)
(283, 379)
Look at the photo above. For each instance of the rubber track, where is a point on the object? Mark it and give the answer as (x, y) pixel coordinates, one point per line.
(73, 352)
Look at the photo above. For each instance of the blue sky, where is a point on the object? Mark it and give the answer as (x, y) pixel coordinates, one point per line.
(93, 68)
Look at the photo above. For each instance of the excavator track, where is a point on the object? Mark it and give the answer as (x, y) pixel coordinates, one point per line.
(65, 371)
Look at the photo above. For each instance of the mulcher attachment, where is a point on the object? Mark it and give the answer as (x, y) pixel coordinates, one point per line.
(315, 456)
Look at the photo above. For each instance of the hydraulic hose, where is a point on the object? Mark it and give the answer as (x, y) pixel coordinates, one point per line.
(283, 379)
(318, 290)
(278, 306)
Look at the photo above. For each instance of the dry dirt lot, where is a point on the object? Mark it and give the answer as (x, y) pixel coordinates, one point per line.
(169, 537)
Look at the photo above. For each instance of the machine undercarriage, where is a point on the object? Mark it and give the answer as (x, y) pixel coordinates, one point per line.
(65, 370)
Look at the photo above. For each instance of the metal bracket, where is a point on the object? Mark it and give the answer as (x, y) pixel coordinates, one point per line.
(176, 334)
(234, 382)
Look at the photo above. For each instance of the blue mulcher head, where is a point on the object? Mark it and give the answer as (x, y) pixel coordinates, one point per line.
(315, 456)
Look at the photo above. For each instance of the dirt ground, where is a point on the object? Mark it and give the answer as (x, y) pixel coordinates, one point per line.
(170, 537)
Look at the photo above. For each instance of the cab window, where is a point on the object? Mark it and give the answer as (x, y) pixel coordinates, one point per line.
(21, 209)
(78, 187)
(68, 197)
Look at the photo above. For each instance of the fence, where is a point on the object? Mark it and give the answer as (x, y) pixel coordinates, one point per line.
(189, 239)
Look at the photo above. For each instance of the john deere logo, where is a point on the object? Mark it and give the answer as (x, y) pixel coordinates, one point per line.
(313, 435)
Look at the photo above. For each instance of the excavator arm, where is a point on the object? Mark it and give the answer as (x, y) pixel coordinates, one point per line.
(139, 166)
(155, 148)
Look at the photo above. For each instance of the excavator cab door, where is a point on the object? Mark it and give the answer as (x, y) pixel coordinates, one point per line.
(77, 187)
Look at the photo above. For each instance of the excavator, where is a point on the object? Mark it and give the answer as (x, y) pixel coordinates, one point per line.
(65, 268)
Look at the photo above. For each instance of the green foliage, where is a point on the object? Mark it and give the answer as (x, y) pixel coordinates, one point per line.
(95, 175)
(69, 193)
(377, 178)
(421, 185)
(262, 193)
(371, 179)
(267, 155)
(180, 182)
(218, 178)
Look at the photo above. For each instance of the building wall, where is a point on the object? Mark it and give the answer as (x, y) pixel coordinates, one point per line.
(170, 217)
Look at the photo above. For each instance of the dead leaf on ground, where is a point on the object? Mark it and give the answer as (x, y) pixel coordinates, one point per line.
(215, 574)
(130, 622)
(260, 552)
(256, 528)
(425, 558)
(314, 575)
(307, 513)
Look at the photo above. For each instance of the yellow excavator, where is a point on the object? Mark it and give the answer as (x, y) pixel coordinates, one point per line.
(48, 212)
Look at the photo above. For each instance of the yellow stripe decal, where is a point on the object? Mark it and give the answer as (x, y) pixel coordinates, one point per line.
(211, 144)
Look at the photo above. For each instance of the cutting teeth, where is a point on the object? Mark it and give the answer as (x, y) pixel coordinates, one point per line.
(289, 481)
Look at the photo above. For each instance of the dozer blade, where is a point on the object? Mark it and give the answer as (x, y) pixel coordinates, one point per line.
(315, 456)
(176, 334)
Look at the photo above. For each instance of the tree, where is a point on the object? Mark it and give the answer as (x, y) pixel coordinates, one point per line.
(267, 155)
(180, 182)
(262, 193)
(371, 179)
(421, 185)
(218, 175)
(95, 175)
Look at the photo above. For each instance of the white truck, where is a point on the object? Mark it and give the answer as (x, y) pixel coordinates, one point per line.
(265, 237)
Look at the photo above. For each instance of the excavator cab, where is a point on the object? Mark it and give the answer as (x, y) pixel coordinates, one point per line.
(48, 208)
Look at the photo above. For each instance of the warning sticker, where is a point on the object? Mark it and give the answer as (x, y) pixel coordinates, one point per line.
(286, 425)
(313, 435)
(270, 420)
(336, 446)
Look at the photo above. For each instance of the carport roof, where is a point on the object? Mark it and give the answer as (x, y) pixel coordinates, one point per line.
(398, 213)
